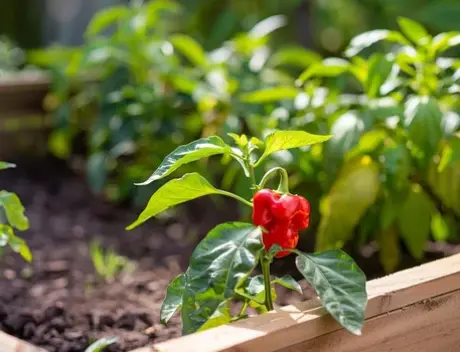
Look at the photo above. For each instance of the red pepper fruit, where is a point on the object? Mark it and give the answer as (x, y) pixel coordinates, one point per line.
(282, 216)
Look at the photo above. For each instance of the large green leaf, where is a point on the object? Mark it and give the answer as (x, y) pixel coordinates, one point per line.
(379, 70)
(283, 140)
(423, 121)
(106, 18)
(268, 95)
(414, 221)
(173, 299)
(365, 40)
(201, 148)
(14, 210)
(414, 31)
(177, 191)
(339, 283)
(353, 192)
(191, 49)
(220, 262)
(4, 165)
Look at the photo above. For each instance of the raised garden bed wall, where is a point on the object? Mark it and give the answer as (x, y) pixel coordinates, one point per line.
(24, 125)
(415, 310)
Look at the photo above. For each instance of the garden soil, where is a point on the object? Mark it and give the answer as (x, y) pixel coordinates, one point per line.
(59, 303)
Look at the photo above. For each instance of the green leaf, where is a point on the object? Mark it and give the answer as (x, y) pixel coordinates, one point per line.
(294, 56)
(177, 191)
(201, 148)
(14, 210)
(368, 143)
(339, 283)
(423, 121)
(97, 171)
(450, 154)
(283, 140)
(4, 165)
(173, 299)
(365, 40)
(191, 49)
(353, 192)
(17, 244)
(105, 18)
(219, 264)
(331, 67)
(380, 68)
(439, 228)
(390, 252)
(269, 95)
(414, 31)
(414, 221)
(101, 344)
(289, 282)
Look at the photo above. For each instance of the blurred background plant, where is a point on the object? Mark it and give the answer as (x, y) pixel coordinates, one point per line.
(149, 76)
(108, 264)
(12, 218)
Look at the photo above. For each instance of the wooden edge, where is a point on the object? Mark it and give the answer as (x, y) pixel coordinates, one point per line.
(30, 81)
(12, 344)
(291, 325)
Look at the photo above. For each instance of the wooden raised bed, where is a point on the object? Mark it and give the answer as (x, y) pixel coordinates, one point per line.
(415, 310)
(23, 121)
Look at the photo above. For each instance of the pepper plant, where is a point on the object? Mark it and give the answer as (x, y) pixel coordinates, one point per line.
(221, 269)
(12, 217)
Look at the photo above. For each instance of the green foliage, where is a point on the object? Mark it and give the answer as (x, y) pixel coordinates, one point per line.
(12, 217)
(107, 263)
(101, 344)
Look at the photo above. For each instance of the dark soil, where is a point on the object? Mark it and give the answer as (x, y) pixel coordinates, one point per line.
(59, 303)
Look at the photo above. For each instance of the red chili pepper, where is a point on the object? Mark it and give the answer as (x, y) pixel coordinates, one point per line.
(282, 216)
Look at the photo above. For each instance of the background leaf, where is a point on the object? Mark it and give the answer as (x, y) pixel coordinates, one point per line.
(339, 283)
(413, 30)
(4, 165)
(191, 49)
(390, 252)
(220, 262)
(14, 210)
(101, 344)
(414, 221)
(289, 282)
(106, 18)
(268, 95)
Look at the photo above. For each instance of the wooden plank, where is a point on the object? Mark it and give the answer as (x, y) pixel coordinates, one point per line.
(293, 325)
(427, 326)
(12, 344)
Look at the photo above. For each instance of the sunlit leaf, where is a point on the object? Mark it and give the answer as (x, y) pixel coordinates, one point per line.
(283, 140)
(173, 299)
(191, 49)
(177, 191)
(414, 31)
(339, 283)
(365, 40)
(16, 243)
(450, 154)
(220, 262)
(268, 95)
(380, 68)
(295, 56)
(201, 148)
(330, 67)
(14, 210)
(268, 26)
(105, 18)
(4, 165)
(101, 344)
(439, 228)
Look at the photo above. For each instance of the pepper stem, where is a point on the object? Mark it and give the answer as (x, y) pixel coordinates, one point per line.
(265, 264)
(284, 179)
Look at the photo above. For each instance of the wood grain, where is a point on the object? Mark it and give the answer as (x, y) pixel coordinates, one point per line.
(12, 344)
(306, 322)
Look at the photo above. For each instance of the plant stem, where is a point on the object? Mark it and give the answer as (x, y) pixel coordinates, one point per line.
(243, 308)
(284, 179)
(265, 264)
(237, 197)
